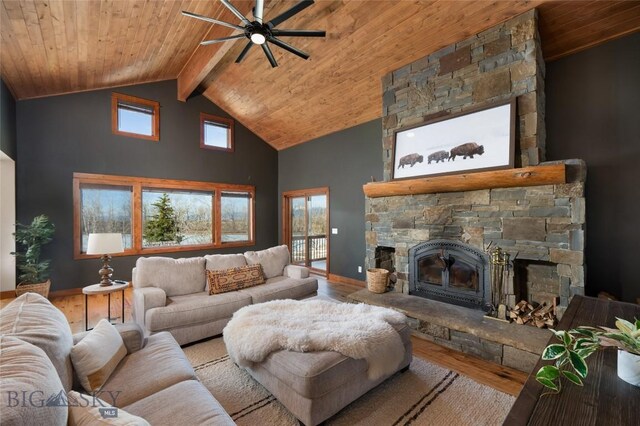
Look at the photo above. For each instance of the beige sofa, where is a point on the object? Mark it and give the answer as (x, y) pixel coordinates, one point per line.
(172, 294)
(154, 381)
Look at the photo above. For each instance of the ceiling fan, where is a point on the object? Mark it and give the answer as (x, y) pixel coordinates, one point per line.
(261, 33)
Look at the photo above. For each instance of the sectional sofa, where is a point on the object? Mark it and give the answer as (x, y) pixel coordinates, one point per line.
(154, 381)
(172, 294)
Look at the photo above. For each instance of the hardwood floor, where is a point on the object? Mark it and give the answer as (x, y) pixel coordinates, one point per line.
(496, 376)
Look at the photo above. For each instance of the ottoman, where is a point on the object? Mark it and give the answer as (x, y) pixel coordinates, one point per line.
(316, 385)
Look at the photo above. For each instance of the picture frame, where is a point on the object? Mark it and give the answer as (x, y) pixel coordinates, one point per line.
(480, 139)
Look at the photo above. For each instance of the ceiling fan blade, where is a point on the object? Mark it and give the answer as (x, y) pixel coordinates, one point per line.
(244, 52)
(298, 33)
(289, 13)
(235, 11)
(220, 40)
(288, 47)
(258, 10)
(213, 21)
(270, 57)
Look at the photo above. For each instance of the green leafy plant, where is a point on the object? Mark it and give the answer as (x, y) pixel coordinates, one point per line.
(569, 357)
(576, 345)
(625, 337)
(30, 239)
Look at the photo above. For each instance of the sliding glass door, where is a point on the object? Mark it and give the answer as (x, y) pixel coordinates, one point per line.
(306, 227)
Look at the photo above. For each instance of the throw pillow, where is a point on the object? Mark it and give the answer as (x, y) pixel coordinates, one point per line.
(85, 410)
(97, 355)
(234, 279)
(273, 260)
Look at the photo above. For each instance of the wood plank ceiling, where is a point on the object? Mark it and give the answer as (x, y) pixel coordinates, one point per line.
(53, 47)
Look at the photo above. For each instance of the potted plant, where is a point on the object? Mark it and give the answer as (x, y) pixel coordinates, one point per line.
(577, 344)
(33, 273)
(627, 339)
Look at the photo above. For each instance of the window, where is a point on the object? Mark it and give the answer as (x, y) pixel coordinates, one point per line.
(216, 132)
(160, 215)
(135, 117)
(236, 216)
(176, 218)
(105, 208)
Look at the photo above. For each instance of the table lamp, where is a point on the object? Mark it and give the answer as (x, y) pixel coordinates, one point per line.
(105, 245)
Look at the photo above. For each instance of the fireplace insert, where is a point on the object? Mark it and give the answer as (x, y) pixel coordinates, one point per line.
(450, 271)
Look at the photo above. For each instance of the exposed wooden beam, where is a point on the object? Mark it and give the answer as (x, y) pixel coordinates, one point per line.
(204, 58)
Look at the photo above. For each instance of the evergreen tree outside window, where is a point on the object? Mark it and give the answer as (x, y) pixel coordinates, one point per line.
(163, 225)
(162, 215)
(176, 218)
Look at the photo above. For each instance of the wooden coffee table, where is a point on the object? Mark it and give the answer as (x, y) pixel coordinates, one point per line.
(108, 290)
(605, 399)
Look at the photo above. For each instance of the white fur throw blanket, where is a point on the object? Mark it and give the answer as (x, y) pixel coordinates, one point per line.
(357, 331)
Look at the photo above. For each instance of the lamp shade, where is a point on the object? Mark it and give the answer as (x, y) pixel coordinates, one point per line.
(105, 243)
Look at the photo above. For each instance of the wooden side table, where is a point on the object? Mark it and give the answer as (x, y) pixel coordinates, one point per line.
(108, 290)
(604, 399)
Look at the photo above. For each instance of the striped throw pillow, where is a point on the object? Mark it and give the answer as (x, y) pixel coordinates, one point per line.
(96, 356)
(225, 280)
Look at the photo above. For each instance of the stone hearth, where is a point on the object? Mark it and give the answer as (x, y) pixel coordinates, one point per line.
(465, 330)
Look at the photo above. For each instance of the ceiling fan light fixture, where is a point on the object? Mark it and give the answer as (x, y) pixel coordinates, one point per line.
(258, 38)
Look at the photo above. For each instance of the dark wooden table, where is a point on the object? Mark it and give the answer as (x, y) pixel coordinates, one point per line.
(604, 399)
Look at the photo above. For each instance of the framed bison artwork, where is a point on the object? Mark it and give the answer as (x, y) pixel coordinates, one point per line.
(477, 140)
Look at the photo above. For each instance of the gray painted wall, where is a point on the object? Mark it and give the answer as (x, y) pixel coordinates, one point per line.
(593, 100)
(7, 121)
(60, 135)
(343, 161)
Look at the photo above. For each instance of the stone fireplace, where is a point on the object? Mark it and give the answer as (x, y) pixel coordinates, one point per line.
(451, 272)
(543, 224)
(541, 227)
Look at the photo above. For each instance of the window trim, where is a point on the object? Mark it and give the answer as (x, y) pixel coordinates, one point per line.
(155, 118)
(204, 117)
(138, 184)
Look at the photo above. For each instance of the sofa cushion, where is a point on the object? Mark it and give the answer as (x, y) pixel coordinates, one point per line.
(26, 372)
(175, 276)
(313, 374)
(32, 318)
(97, 355)
(186, 403)
(273, 260)
(282, 288)
(296, 271)
(87, 411)
(160, 364)
(217, 262)
(226, 280)
(195, 308)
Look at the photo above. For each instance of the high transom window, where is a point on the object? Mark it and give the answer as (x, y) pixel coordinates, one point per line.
(216, 132)
(135, 117)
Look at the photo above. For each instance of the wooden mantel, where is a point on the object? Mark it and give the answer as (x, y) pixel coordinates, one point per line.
(527, 176)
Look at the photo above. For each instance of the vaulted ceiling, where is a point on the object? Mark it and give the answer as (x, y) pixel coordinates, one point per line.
(53, 47)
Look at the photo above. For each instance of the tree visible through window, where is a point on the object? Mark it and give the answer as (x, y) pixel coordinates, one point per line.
(236, 216)
(176, 218)
(159, 215)
(163, 225)
(105, 208)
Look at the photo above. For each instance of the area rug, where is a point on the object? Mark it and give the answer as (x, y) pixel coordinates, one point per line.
(425, 395)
